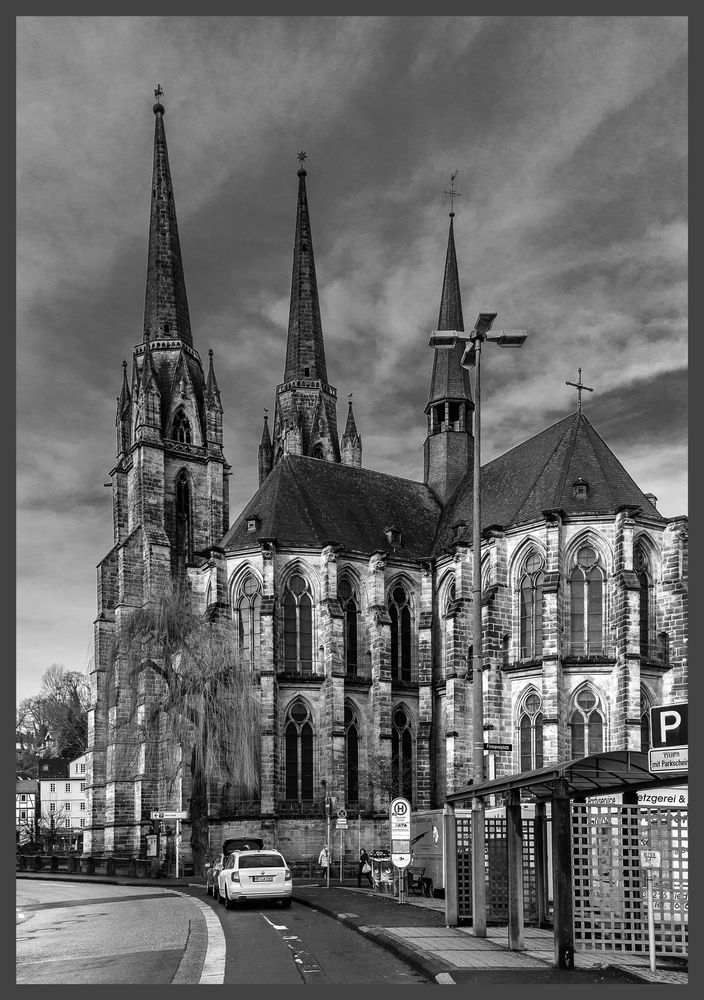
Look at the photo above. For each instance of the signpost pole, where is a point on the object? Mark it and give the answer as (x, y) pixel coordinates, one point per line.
(342, 834)
(651, 920)
(178, 842)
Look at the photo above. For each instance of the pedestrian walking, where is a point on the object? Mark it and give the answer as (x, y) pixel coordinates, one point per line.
(324, 860)
(364, 869)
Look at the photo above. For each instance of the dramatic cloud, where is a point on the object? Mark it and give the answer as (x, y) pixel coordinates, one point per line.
(569, 138)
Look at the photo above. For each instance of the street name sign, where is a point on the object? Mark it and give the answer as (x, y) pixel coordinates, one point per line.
(400, 823)
(498, 746)
(341, 823)
(169, 814)
(649, 858)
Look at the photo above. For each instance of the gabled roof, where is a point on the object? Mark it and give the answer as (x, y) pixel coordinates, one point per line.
(309, 502)
(539, 475)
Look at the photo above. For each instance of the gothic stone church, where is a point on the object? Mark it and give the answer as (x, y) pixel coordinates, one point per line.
(352, 588)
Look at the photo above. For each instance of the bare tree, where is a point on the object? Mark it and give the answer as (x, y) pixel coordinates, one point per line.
(66, 694)
(182, 692)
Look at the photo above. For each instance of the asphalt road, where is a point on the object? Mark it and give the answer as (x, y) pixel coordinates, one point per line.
(76, 933)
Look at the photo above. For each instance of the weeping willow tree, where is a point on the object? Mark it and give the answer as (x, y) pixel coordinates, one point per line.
(182, 696)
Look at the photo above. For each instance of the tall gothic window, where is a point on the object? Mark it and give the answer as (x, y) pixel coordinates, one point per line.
(248, 609)
(531, 587)
(586, 603)
(298, 752)
(400, 615)
(298, 627)
(352, 753)
(350, 609)
(644, 722)
(530, 729)
(447, 629)
(640, 563)
(184, 525)
(182, 428)
(586, 725)
(402, 755)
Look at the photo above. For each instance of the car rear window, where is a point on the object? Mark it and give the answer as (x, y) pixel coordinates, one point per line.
(262, 861)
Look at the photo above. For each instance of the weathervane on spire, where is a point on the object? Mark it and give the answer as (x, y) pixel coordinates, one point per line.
(579, 386)
(158, 93)
(452, 193)
(301, 157)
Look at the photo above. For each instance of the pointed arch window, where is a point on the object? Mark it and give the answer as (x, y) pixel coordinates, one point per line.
(181, 427)
(586, 725)
(640, 564)
(350, 608)
(400, 615)
(318, 451)
(531, 590)
(402, 754)
(530, 730)
(586, 604)
(447, 623)
(248, 616)
(184, 526)
(298, 626)
(352, 753)
(298, 752)
(644, 722)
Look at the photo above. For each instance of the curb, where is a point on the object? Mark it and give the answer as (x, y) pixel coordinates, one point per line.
(422, 962)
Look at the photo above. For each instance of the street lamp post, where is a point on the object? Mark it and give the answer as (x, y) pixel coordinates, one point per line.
(472, 358)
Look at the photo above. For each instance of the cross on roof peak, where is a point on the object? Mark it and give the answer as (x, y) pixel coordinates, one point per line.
(579, 386)
(452, 193)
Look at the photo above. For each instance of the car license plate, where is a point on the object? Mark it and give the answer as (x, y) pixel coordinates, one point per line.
(262, 878)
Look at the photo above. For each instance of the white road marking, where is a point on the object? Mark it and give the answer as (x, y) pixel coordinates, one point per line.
(277, 927)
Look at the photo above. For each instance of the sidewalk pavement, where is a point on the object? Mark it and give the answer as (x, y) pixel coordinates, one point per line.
(415, 931)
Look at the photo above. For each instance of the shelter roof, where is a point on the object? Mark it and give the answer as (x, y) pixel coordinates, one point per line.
(612, 771)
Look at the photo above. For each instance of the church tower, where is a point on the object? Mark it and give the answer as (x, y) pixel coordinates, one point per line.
(449, 445)
(305, 421)
(170, 498)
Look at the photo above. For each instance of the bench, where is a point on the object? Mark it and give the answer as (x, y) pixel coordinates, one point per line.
(415, 876)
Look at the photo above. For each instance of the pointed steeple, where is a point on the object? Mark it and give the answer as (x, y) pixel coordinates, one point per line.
(449, 444)
(450, 380)
(305, 354)
(450, 317)
(212, 393)
(351, 444)
(305, 418)
(124, 399)
(265, 452)
(166, 305)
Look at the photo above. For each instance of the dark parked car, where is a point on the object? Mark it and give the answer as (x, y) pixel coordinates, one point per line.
(213, 868)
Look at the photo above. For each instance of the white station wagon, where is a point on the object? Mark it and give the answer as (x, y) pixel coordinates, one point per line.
(251, 875)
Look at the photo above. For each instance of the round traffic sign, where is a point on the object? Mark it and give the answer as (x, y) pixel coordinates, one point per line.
(341, 813)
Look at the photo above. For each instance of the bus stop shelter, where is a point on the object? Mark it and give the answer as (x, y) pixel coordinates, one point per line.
(619, 771)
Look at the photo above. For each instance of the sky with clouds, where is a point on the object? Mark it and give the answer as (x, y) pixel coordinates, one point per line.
(569, 138)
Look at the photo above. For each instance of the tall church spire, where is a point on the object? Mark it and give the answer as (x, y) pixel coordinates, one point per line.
(166, 305)
(305, 354)
(305, 419)
(449, 444)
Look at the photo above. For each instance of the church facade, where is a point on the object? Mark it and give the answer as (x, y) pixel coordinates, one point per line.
(352, 589)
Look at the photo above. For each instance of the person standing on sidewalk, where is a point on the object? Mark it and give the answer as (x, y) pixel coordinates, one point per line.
(324, 860)
(364, 869)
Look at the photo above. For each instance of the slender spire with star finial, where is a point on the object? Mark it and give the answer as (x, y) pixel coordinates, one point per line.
(305, 419)
(265, 451)
(305, 354)
(166, 305)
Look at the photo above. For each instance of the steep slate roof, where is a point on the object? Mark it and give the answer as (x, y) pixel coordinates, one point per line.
(308, 502)
(539, 475)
